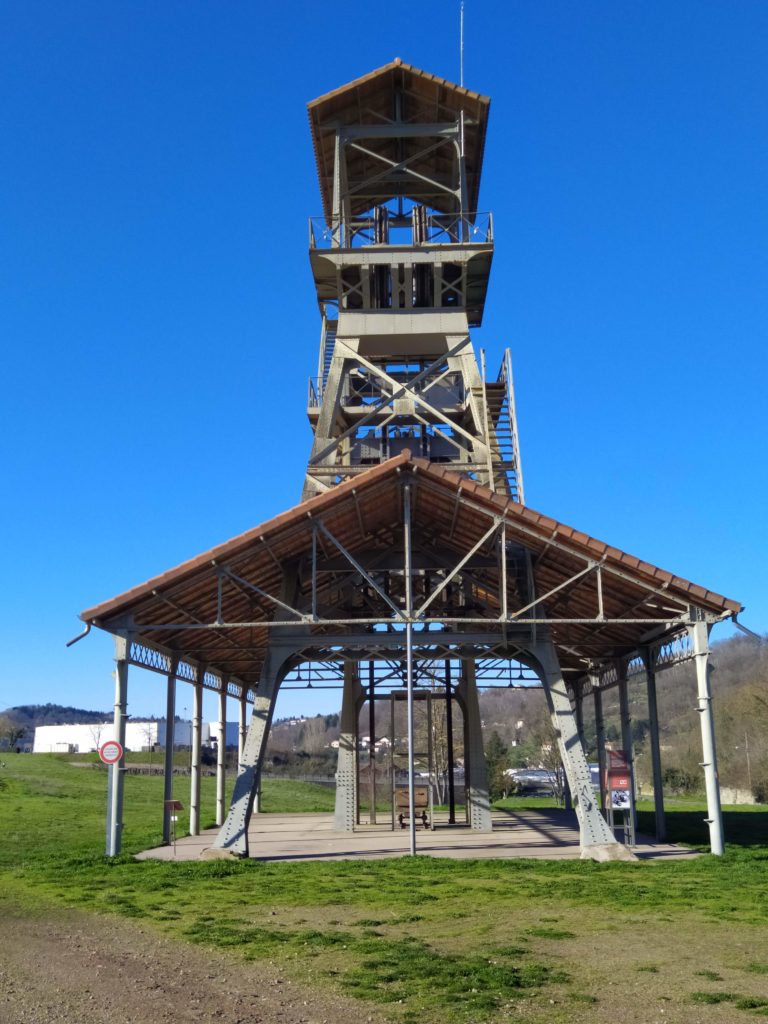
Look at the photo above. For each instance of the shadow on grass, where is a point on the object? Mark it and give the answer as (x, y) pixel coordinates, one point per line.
(741, 828)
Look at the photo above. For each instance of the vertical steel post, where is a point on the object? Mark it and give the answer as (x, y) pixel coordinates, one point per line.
(699, 633)
(478, 795)
(649, 660)
(627, 743)
(600, 732)
(117, 771)
(449, 743)
(242, 725)
(194, 759)
(579, 710)
(372, 740)
(409, 662)
(221, 754)
(347, 803)
(170, 738)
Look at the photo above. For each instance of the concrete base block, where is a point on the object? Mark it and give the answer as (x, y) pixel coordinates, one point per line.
(216, 853)
(602, 852)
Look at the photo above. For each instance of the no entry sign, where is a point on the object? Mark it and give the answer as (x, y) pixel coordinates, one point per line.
(110, 752)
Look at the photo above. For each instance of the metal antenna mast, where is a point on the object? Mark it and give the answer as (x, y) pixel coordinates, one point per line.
(461, 45)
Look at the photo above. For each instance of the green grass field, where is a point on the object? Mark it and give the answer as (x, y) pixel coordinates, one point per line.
(433, 940)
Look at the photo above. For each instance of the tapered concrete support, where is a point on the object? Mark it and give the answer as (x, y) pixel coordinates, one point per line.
(627, 742)
(649, 660)
(477, 777)
(345, 813)
(699, 633)
(116, 780)
(195, 759)
(170, 742)
(232, 839)
(597, 697)
(221, 754)
(597, 840)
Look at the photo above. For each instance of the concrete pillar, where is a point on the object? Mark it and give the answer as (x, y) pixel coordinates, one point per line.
(699, 634)
(649, 660)
(597, 840)
(346, 772)
(233, 835)
(600, 732)
(195, 762)
(170, 738)
(477, 777)
(116, 781)
(221, 754)
(627, 742)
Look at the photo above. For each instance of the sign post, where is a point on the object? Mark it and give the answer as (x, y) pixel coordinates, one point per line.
(111, 753)
(619, 795)
(170, 807)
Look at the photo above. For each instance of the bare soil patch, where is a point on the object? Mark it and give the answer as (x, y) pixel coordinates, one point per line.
(69, 967)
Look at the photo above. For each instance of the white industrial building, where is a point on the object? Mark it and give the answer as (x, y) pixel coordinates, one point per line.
(82, 739)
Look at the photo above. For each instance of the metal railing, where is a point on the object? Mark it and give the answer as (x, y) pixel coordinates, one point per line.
(438, 229)
(507, 438)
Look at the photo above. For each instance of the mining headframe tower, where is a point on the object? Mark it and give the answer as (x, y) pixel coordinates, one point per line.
(412, 565)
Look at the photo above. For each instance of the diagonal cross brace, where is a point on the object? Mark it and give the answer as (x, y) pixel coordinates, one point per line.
(418, 398)
(402, 165)
(356, 565)
(561, 586)
(401, 389)
(435, 593)
(264, 593)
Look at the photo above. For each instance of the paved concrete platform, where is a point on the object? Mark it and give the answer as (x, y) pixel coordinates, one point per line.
(551, 834)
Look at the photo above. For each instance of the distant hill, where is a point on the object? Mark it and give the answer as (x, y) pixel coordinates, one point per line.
(29, 716)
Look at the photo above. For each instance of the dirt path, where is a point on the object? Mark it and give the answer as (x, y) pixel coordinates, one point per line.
(72, 968)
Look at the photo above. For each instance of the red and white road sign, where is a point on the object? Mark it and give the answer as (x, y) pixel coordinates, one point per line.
(110, 752)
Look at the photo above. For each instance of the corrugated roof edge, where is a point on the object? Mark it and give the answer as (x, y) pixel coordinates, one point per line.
(439, 474)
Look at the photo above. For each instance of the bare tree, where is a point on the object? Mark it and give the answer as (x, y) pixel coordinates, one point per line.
(148, 732)
(96, 731)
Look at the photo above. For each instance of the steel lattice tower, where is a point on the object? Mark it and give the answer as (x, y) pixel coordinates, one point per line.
(401, 260)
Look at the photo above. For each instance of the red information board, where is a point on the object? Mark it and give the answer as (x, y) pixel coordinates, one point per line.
(617, 774)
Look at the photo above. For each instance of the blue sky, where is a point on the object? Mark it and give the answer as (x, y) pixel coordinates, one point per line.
(158, 321)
